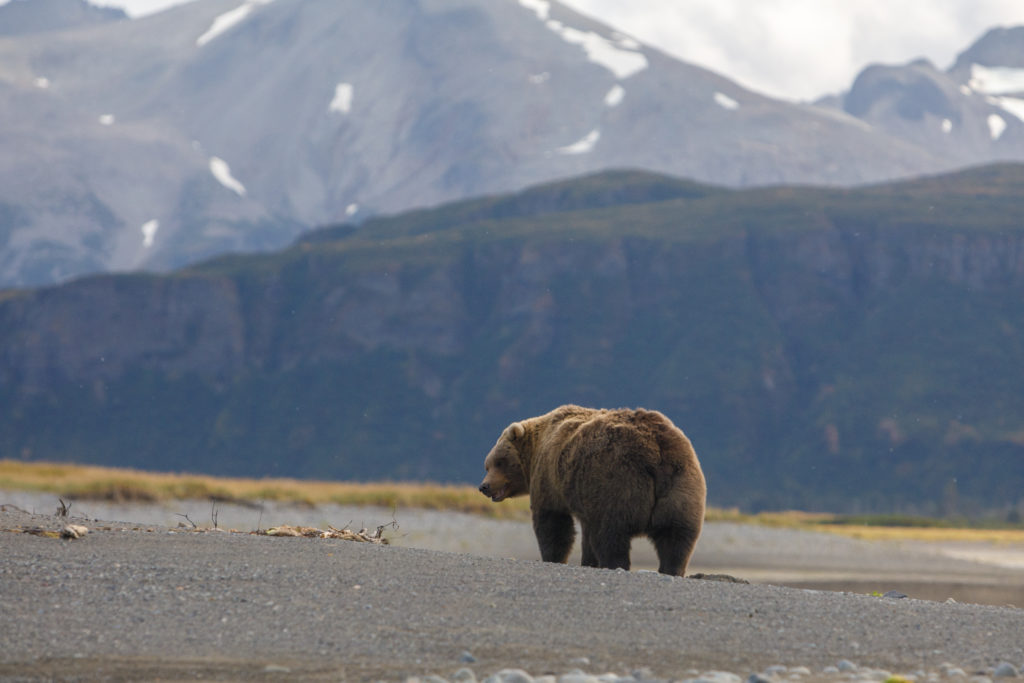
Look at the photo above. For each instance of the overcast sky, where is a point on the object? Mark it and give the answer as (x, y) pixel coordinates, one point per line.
(796, 49)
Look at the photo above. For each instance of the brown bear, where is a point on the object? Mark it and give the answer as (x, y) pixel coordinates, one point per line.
(621, 473)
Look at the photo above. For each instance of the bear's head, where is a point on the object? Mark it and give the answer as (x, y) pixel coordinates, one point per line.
(505, 476)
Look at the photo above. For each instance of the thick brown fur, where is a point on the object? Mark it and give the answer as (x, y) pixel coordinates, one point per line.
(621, 473)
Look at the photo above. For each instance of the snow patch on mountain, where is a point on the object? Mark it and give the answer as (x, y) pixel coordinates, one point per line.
(620, 57)
(582, 146)
(222, 172)
(997, 84)
(107, 119)
(614, 96)
(726, 102)
(149, 229)
(947, 126)
(1011, 105)
(227, 21)
(996, 80)
(42, 83)
(342, 102)
(621, 62)
(541, 8)
(996, 126)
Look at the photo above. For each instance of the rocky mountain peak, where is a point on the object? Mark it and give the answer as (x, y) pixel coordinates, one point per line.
(24, 17)
(998, 47)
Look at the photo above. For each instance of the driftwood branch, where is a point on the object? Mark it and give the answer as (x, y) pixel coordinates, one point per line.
(345, 534)
(194, 525)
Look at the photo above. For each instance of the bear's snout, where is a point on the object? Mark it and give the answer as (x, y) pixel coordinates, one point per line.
(495, 494)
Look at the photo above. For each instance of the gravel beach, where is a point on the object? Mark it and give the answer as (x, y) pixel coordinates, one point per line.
(142, 600)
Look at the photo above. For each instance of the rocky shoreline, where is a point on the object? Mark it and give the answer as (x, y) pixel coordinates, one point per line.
(136, 600)
(983, 573)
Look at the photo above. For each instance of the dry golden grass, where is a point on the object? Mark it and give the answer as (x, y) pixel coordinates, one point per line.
(882, 530)
(935, 534)
(89, 482)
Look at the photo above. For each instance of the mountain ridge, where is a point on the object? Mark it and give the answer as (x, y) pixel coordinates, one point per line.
(228, 125)
(829, 348)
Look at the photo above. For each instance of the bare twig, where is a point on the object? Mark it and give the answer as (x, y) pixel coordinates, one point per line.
(194, 525)
(380, 529)
(63, 508)
(213, 514)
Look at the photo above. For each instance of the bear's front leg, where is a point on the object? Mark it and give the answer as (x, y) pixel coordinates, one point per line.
(555, 534)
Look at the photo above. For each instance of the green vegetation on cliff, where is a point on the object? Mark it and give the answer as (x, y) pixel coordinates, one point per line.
(850, 350)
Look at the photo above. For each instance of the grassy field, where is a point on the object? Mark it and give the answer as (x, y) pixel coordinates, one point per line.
(88, 482)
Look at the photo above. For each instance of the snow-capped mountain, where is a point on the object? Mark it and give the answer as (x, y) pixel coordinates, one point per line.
(236, 124)
(972, 112)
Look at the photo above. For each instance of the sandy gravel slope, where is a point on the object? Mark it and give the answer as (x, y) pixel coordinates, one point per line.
(968, 572)
(131, 602)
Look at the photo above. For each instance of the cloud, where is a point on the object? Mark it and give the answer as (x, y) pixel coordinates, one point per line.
(801, 49)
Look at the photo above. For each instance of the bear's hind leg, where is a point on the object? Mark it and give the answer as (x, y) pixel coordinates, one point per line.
(610, 547)
(589, 558)
(555, 533)
(674, 546)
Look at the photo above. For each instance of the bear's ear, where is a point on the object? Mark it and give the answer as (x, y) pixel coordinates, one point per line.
(515, 431)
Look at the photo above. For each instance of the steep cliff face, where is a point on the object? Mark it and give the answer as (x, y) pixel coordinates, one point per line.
(100, 328)
(841, 349)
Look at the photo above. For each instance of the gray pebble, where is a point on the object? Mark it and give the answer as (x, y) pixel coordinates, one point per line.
(717, 677)
(467, 657)
(276, 669)
(845, 665)
(895, 595)
(756, 678)
(1005, 670)
(464, 675)
(512, 676)
(577, 677)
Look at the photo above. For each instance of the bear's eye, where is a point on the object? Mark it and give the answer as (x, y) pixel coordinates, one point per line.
(500, 462)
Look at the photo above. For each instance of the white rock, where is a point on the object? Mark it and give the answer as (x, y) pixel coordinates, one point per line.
(73, 531)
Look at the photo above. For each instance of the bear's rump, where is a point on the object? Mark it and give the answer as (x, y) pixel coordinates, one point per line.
(610, 470)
